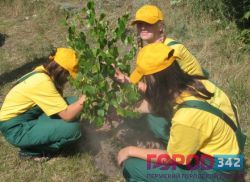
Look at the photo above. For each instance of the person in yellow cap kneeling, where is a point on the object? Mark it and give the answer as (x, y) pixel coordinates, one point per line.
(204, 124)
(35, 116)
(149, 21)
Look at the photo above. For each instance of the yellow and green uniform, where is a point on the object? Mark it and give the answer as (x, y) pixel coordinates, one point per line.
(189, 64)
(185, 59)
(28, 117)
(38, 90)
(194, 131)
(194, 127)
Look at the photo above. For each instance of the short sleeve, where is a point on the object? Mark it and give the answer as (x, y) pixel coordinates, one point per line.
(187, 61)
(46, 96)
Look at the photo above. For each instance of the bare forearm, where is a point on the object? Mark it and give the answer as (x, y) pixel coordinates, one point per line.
(137, 152)
(143, 153)
(122, 78)
(73, 110)
(143, 107)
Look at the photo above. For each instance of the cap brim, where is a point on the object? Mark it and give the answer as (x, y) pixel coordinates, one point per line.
(146, 21)
(73, 75)
(135, 77)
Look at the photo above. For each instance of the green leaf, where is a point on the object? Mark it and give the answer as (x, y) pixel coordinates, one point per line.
(123, 36)
(118, 32)
(82, 36)
(91, 13)
(119, 112)
(89, 90)
(132, 96)
(98, 48)
(99, 121)
(102, 85)
(123, 67)
(100, 112)
(247, 15)
(115, 52)
(71, 33)
(102, 42)
(91, 5)
(114, 103)
(122, 24)
(95, 68)
(107, 70)
(106, 106)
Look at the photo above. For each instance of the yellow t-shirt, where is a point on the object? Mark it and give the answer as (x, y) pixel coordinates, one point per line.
(197, 130)
(38, 90)
(185, 59)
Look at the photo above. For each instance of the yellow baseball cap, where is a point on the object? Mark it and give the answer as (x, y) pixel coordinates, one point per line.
(151, 59)
(149, 14)
(66, 58)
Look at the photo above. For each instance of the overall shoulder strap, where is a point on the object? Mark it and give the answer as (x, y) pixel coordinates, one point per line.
(241, 137)
(24, 77)
(171, 43)
(209, 108)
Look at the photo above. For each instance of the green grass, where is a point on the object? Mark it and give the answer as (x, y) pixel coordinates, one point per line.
(74, 168)
(214, 42)
(4, 65)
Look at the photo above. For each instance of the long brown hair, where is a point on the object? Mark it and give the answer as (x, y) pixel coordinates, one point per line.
(165, 86)
(58, 74)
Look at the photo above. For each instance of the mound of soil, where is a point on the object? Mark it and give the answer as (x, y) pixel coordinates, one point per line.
(104, 143)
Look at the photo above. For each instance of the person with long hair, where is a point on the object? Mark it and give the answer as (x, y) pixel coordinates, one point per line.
(203, 123)
(35, 116)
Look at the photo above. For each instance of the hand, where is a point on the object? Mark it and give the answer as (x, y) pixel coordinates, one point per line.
(142, 87)
(123, 155)
(82, 99)
(143, 107)
(120, 77)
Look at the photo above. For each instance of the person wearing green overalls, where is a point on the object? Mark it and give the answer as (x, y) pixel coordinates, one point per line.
(203, 123)
(149, 21)
(35, 116)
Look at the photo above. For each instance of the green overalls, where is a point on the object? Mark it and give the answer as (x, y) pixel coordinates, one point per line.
(135, 169)
(36, 133)
(159, 126)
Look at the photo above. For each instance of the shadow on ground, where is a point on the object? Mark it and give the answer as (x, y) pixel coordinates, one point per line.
(2, 39)
(104, 144)
(18, 72)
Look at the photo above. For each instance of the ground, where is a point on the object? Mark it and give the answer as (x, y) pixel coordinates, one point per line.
(29, 30)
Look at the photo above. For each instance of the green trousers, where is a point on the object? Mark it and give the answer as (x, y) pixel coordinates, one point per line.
(159, 126)
(36, 133)
(136, 170)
